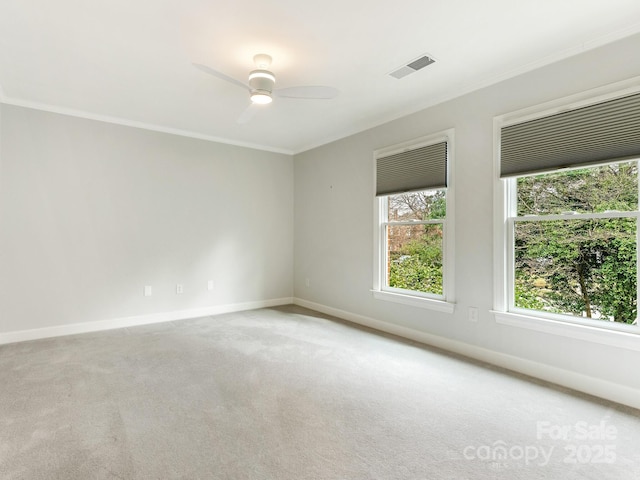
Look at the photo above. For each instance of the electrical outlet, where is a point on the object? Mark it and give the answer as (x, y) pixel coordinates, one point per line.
(307, 282)
(148, 291)
(210, 285)
(473, 314)
(179, 289)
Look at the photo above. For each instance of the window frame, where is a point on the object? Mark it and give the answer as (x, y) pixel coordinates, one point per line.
(505, 203)
(445, 302)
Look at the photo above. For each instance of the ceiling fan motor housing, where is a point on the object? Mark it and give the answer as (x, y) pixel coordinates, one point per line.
(262, 81)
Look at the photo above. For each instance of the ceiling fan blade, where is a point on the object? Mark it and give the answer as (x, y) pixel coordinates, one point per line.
(315, 92)
(248, 114)
(220, 75)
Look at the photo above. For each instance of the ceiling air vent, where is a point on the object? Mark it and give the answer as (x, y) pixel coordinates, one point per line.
(412, 67)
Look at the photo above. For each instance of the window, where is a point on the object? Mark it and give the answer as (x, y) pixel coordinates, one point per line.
(413, 236)
(568, 197)
(574, 241)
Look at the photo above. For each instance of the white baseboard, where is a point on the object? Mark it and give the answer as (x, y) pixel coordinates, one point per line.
(576, 381)
(96, 326)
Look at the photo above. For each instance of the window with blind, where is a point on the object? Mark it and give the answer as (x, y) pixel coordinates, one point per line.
(571, 227)
(414, 215)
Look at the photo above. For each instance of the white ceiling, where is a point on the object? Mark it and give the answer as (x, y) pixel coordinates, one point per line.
(131, 61)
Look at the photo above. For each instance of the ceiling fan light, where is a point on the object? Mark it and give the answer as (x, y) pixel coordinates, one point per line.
(261, 83)
(261, 98)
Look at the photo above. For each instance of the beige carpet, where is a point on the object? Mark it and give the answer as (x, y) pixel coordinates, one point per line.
(287, 393)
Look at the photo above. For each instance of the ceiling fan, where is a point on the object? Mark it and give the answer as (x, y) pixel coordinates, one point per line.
(261, 86)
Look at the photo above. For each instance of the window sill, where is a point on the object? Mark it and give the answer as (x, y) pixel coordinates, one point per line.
(414, 301)
(604, 336)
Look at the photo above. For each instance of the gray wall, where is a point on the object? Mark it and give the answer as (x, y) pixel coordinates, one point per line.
(91, 212)
(334, 217)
